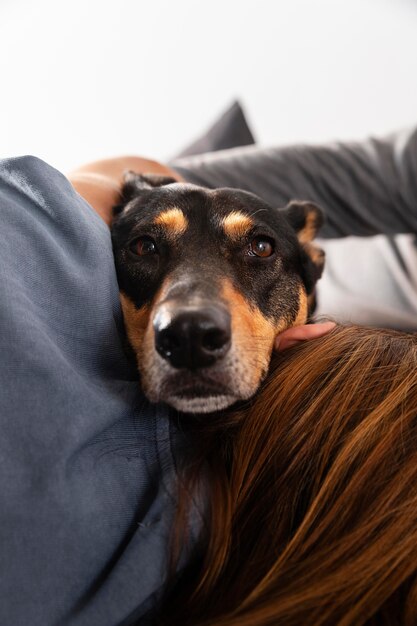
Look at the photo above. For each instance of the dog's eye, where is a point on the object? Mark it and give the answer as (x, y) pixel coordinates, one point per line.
(144, 246)
(261, 246)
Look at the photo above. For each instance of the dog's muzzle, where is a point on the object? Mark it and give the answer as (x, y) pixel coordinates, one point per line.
(192, 337)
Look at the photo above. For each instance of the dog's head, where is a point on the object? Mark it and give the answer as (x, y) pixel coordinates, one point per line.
(208, 278)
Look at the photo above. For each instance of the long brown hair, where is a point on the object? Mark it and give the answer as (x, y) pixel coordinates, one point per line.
(314, 502)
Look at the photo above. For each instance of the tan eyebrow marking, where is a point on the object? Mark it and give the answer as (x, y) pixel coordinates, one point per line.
(236, 224)
(173, 220)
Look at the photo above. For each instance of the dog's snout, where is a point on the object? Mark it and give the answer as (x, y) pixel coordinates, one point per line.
(193, 338)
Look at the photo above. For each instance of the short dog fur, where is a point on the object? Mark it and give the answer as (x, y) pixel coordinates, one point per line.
(207, 279)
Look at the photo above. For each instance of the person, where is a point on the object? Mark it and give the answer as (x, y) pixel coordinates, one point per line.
(89, 468)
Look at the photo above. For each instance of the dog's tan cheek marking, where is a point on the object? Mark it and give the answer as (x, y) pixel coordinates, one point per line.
(252, 333)
(236, 224)
(139, 328)
(302, 314)
(173, 220)
(136, 322)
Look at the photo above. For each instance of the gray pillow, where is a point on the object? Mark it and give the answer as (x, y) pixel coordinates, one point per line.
(229, 131)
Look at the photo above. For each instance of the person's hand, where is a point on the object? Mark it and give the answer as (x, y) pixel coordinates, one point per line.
(100, 182)
(297, 334)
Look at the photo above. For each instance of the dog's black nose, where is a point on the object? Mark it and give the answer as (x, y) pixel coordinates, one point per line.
(193, 338)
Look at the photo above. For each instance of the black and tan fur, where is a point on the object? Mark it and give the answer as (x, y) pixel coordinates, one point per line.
(203, 241)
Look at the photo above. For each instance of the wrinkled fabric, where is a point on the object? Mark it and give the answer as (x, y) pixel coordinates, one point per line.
(371, 281)
(366, 188)
(86, 464)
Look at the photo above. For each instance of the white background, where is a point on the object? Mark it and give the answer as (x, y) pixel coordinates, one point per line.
(87, 79)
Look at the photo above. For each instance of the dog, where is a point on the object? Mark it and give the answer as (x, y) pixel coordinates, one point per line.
(207, 280)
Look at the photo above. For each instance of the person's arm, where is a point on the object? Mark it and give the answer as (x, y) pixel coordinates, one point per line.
(365, 188)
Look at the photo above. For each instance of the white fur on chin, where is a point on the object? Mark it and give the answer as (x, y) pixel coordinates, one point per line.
(208, 404)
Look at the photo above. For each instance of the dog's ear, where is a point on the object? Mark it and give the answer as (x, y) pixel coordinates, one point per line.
(134, 185)
(306, 218)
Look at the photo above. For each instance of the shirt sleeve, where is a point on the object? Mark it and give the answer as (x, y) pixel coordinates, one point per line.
(365, 188)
